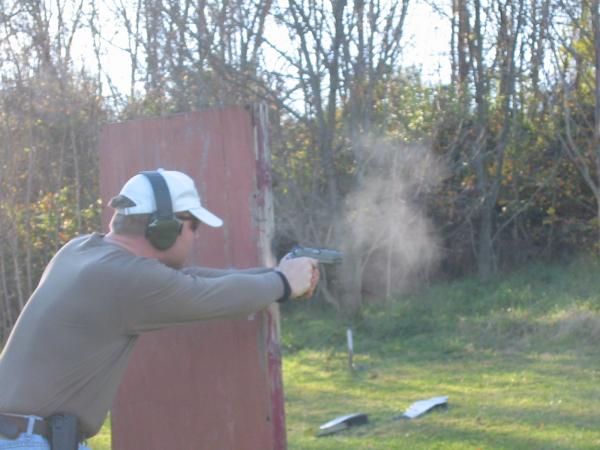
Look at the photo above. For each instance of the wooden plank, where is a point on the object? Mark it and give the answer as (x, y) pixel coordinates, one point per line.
(213, 385)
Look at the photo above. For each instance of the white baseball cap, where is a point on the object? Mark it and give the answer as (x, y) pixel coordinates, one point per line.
(184, 196)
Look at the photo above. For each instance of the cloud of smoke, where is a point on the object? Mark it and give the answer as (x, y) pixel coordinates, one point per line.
(387, 230)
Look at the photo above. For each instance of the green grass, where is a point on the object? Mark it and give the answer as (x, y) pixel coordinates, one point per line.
(518, 357)
(102, 440)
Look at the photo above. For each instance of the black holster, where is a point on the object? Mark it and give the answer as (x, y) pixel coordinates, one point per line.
(64, 432)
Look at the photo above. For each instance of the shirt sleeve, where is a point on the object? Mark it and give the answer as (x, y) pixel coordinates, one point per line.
(210, 272)
(158, 296)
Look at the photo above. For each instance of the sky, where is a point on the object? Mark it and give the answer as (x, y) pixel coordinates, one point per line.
(426, 42)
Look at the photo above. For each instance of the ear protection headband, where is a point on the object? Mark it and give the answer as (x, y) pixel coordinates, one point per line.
(163, 227)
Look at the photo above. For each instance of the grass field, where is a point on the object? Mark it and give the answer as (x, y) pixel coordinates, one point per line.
(518, 357)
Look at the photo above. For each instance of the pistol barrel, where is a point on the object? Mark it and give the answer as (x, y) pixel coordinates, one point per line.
(323, 255)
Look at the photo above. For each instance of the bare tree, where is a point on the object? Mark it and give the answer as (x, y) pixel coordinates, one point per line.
(343, 53)
(581, 118)
(488, 38)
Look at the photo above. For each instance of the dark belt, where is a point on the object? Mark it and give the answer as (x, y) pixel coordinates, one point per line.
(12, 426)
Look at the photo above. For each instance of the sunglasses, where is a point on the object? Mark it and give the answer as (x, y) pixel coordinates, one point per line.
(195, 222)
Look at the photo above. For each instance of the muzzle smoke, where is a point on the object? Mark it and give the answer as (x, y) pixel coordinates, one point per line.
(387, 230)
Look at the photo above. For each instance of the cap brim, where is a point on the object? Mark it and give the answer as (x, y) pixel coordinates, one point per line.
(205, 216)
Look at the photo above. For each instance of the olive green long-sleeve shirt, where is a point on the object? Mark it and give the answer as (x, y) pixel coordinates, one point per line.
(70, 346)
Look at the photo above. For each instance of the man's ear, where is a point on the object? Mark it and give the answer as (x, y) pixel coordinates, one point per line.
(120, 201)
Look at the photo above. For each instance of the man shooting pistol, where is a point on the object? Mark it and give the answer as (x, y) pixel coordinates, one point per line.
(62, 365)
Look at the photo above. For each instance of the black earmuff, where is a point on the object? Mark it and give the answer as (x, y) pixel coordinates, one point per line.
(163, 227)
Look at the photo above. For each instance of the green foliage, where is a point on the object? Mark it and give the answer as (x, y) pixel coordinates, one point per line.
(49, 183)
(55, 220)
(406, 107)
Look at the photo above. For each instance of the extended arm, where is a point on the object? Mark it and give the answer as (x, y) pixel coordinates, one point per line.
(209, 272)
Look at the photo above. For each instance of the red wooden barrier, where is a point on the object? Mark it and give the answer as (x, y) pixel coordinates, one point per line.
(212, 385)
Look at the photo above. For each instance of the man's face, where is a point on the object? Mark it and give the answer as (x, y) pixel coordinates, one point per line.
(184, 245)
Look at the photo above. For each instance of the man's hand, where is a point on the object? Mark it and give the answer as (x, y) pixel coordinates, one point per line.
(314, 280)
(302, 275)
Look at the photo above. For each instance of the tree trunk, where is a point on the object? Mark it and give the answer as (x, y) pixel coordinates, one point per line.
(9, 320)
(350, 274)
(27, 219)
(17, 272)
(77, 178)
(485, 257)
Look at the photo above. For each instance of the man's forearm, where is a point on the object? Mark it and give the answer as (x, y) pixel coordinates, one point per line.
(209, 272)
